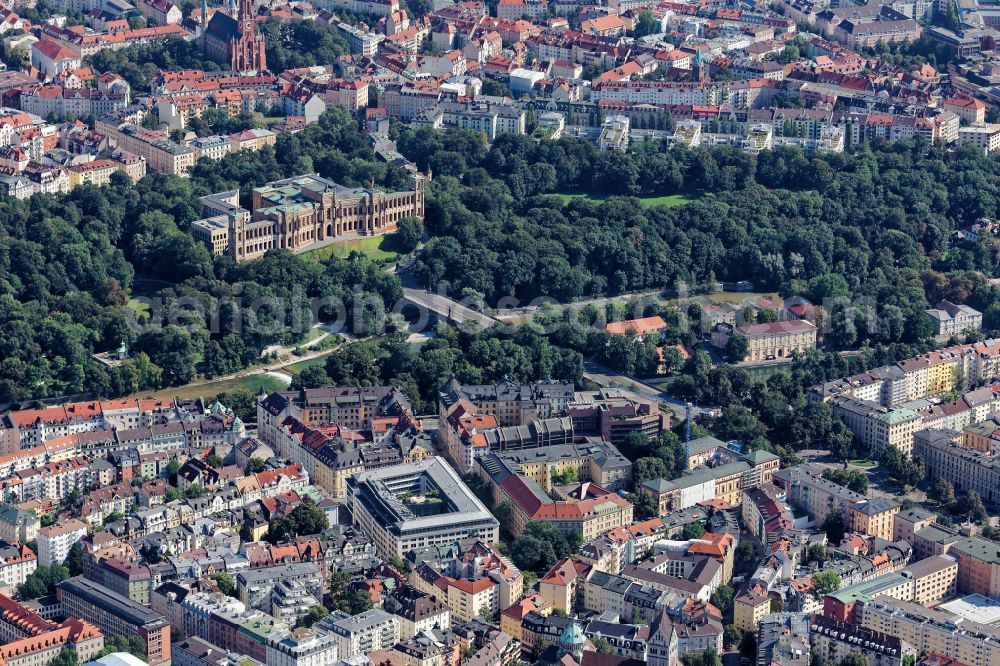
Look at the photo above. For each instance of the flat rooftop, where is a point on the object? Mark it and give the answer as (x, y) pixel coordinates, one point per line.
(210, 223)
(977, 608)
(380, 491)
(112, 602)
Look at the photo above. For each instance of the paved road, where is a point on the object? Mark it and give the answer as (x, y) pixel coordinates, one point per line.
(605, 376)
(451, 309)
(284, 350)
(598, 302)
(446, 307)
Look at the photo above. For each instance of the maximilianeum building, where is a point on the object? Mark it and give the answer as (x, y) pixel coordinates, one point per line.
(299, 212)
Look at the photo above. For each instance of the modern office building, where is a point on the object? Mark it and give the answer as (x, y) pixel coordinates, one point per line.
(116, 615)
(415, 505)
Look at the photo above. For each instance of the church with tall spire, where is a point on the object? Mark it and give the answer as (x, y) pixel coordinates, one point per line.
(230, 37)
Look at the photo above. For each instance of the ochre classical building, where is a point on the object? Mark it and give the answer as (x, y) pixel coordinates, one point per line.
(299, 212)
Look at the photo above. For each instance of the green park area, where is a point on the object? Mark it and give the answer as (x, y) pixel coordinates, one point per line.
(382, 249)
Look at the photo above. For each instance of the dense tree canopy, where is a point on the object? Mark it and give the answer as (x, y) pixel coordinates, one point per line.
(876, 224)
(874, 228)
(68, 267)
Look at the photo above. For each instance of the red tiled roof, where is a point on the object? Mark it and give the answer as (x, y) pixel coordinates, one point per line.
(641, 326)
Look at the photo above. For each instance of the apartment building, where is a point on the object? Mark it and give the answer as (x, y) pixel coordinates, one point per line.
(350, 407)
(908, 380)
(832, 640)
(749, 610)
(906, 524)
(301, 647)
(365, 43)
(871, 403)
(17, 562)
(986, 137)
(983, 436)
(129, 579)
(511, 404)
(654, 92)
(558, 587)
(966, 469)
(932, 630)
(842, 604)
(587, 508)
(254, 586)
(476, 580)
(806, 489)
(469, 598)
(244, 632)
(418, 611)
(935, 579)
(195, 651)
(197, 608)
(511, 618)
(211, 147)
(596, 461)
(161, 154)
(116, 615)
(969, 109)
(879, 427)
(54, 542)
(314, 427)
(952, 319)
(874, 517)
(721, 474)
(328, 459)
(361, 634)
(256, 138)
(934, 540)
(95, 172)
(978, 566)
(491, 119)
(929, 581)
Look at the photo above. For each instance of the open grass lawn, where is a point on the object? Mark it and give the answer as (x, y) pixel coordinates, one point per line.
(144, 288)
(140, 308)
(865, 464)
(668, 200)
(378, 248)
(311, 335)
(212, 389)
(296, 368)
